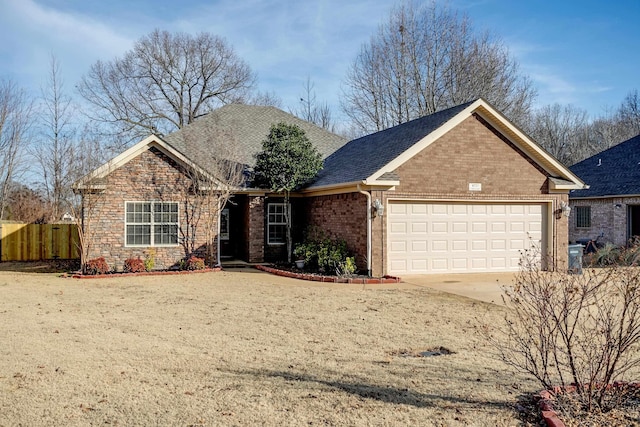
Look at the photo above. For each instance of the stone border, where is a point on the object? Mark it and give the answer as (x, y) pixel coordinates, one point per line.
(549, 415)
(329, 279)
(144, 273)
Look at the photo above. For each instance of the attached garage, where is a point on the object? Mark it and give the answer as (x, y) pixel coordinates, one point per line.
(462, 190)
(426, 237)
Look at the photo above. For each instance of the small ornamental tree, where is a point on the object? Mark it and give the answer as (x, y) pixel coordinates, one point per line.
(287, 161)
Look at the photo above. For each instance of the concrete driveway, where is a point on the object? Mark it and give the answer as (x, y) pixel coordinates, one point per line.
(481, 286)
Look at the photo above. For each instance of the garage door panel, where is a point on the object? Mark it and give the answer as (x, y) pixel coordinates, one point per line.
(439, 227)
(418, 227)
(399, 246)
(440, 245)
(419, 246)
(456, 237)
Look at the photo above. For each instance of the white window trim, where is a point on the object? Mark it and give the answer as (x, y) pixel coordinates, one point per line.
(223, 213)
(151, 239)
(275, 223)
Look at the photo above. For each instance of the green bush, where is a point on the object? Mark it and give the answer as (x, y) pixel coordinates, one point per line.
(325, 254)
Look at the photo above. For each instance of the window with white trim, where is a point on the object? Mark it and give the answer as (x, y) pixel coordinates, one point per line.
(276, 224)
(151, 223)
(583, 216)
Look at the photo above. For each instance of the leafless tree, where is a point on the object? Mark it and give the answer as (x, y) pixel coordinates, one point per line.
(211, 181)
(562, 130)
(15, 123)
(573, 330)
(25, 204)
(84, 206)
(165, 82)
(56, 150)
(426, 58)
(313, 111)
(629, 113)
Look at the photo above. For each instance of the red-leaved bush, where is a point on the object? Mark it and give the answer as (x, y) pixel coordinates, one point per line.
(133, 265)
(96, 266)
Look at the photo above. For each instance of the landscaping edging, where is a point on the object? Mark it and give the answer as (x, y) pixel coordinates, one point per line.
(329, 279)
(144, 273)
(549, 415)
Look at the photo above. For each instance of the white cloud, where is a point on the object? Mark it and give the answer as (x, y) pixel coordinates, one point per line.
(38, 31)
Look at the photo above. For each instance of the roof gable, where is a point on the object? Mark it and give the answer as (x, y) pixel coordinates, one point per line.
(92, 179)
(371, 158)
(613, 172)
(234, 132)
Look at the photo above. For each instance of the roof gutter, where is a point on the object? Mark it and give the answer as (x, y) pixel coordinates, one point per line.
(368, 195)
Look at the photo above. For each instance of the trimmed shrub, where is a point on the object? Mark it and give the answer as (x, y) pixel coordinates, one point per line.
(96, 266)
(133, 265)
(194, 263)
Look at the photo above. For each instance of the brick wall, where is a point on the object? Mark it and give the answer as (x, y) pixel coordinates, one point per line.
(255, 229)
(341, 216)
(608, 216)
(151, 176)
(472, 152)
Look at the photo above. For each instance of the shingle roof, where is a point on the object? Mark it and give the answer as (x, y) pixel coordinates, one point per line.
(244, 127)
(362, 157)
(613, 172)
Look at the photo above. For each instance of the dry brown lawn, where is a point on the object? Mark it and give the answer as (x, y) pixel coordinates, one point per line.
(239, 348)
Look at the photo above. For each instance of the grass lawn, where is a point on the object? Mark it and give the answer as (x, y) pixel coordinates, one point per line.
(245, 348)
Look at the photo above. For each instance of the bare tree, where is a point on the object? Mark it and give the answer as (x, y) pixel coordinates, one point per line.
(573, 330)
(84, 206)
(55, 153)
(426, 58)
(165, 82)
(25, 204)
(209, 184)
(629, 113)
(311, 110)
(15, 122)
(563, 131)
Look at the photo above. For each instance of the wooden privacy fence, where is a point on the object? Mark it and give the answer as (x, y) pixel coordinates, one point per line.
(36, 242)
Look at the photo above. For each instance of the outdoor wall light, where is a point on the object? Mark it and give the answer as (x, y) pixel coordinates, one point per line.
(379, 207)
(565, 209)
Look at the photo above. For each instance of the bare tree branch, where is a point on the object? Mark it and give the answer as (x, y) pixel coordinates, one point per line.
(166, 82)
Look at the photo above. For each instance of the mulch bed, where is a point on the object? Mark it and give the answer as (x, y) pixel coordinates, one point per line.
(302, 275)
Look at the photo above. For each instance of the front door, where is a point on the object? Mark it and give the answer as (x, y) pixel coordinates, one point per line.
(225, 243)
(633, 221)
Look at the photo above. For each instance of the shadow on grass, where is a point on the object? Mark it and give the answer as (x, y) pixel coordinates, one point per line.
(393, 395)
(52, 266)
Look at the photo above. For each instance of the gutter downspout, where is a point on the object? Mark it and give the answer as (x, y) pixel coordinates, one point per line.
(218, 257)
(366, 193)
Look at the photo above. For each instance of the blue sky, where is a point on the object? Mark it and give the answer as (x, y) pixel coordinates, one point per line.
(586, 52)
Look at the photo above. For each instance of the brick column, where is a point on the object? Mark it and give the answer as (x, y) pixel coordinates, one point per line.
(255, 245)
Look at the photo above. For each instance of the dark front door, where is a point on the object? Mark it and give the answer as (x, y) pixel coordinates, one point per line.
(233, 236)
(633, 221)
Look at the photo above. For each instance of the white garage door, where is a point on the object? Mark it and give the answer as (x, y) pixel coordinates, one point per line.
(456, 237)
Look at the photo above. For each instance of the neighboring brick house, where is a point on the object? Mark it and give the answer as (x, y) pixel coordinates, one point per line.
(610, 207)
(461, 190)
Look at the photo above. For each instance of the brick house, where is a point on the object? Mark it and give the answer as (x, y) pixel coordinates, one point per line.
(610, 207)
(461, 190)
